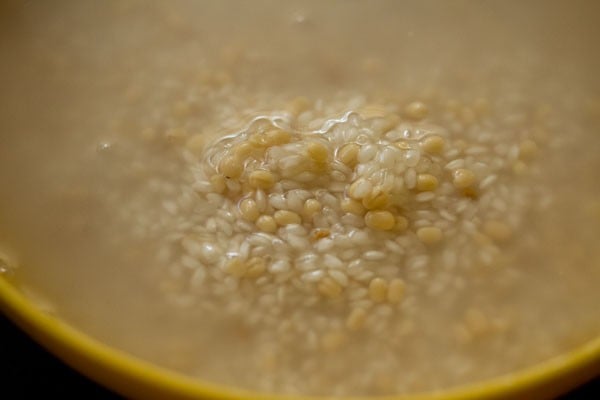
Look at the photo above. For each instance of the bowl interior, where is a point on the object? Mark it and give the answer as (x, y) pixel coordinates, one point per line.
(136, 378)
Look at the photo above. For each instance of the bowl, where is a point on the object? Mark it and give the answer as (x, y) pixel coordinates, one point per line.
(138, 379)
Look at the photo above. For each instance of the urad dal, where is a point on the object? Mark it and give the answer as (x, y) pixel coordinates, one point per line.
(334, 198)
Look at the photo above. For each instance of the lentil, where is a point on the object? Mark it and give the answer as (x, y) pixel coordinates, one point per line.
(380, 220)
(463, 178)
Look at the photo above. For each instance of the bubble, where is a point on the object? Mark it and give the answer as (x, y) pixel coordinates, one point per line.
(104, 147)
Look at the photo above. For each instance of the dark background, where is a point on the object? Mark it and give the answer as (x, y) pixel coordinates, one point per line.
(26, 370)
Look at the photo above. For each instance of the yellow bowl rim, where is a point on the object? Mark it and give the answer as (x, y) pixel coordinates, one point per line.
(58, 336)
